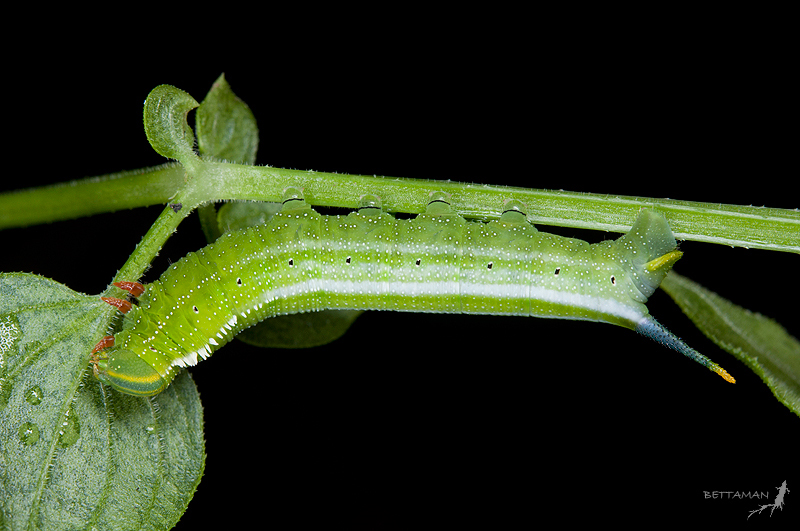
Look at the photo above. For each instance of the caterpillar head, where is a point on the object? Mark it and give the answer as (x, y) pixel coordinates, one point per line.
(651, 248)
(126, 372)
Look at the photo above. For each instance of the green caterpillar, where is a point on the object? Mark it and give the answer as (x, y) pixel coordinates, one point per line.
(302, 261)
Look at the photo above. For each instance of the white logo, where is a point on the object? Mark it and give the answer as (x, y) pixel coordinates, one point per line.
(778, 503)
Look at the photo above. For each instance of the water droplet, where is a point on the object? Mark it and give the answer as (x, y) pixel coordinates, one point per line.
(70, 429)
(34, 395)
(29, 433)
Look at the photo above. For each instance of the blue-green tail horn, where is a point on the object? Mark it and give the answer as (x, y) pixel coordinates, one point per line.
(654, 330)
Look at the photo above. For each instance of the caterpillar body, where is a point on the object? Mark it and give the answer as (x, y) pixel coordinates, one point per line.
(302, 261)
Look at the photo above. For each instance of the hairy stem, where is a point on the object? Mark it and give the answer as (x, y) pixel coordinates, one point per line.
(745, 226)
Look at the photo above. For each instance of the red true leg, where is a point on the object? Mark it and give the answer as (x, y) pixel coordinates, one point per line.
(134, 288)
(121, 305)
(94, 360)
(107, 341)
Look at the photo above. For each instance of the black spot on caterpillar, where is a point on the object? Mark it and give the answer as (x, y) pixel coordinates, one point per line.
(437, 262)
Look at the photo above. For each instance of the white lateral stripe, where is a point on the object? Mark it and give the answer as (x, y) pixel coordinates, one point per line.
(410, 289)
(507, 291)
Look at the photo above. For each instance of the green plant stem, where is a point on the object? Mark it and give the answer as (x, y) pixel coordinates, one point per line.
(151, 244)
(93, 195)
(745, 226)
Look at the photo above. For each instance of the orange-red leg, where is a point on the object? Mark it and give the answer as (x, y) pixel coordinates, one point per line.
(94, 360)
(121, 305)
(107, 341)
(134, 288)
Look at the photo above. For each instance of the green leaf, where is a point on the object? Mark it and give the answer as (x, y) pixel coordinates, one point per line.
(75, 454)
(235, 216)
(165, 124)
(758, 341)
(208, 222)
(226, 128)
(301, 330)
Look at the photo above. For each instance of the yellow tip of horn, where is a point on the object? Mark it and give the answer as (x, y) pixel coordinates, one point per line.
(722, 372)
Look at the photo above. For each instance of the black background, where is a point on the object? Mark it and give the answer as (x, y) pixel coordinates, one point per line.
(418, 420)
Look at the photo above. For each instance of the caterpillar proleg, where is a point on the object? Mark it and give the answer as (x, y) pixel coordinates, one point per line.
(303, 261)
